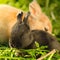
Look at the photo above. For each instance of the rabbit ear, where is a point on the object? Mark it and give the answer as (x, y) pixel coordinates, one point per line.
(34, 8)
(19, 16)
(26, 17)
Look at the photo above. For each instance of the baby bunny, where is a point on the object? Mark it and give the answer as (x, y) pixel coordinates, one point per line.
(23, 37)
(44, 39)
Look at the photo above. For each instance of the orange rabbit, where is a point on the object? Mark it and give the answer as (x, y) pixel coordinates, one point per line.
(37, 20)
(7, 20)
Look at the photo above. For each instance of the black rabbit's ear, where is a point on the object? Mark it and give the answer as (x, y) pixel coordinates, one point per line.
(19, 16)
(26, 17)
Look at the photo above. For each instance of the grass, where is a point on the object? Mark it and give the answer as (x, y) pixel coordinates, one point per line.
(7, 53)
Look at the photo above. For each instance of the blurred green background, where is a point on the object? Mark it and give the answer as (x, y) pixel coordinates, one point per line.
(50, 7)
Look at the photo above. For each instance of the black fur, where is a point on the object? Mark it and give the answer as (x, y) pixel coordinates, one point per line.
(23, 37)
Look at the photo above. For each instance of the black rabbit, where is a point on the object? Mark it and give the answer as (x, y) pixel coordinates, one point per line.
(44, 38)
(23, 37)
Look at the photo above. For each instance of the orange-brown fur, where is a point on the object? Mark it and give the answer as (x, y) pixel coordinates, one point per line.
(37, 20)
(38, 15)
(7, 20)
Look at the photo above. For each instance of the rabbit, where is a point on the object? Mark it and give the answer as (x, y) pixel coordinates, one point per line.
(22, 37)
(38, 15)
(37, 20)
(45, 39)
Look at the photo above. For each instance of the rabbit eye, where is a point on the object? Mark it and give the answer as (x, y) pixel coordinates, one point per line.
(46, 29)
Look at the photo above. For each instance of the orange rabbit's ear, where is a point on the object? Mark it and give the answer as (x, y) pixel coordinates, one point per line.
(34, 8)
